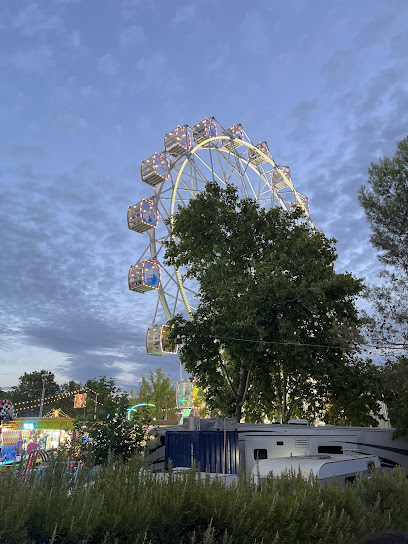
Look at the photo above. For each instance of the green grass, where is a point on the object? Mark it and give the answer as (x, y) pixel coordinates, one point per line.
(121, 504)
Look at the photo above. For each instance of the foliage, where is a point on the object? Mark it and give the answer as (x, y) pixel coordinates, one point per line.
(120, 503)
(158, 389)
(385, 203)
(30, 388)
(66, 403)
(104, 429)
(104, 399)
(394, 388)
(115, 436)
(274, 321)
(355, 393)
(386, 206)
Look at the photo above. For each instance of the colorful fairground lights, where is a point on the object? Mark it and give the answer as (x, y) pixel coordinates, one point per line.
(192, 157)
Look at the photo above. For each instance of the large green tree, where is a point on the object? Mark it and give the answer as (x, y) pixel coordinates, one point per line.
(394, 388)
(104, 400)
(274, 320)
(27, 394)
(114, 435)
(159, 389)
(385, 202)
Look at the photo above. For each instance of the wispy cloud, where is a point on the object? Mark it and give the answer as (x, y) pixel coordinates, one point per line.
(75, 39)
(183, 14)
(33, 61)
(108, 65)
(132, 35)
(32, 20)
(71, 121)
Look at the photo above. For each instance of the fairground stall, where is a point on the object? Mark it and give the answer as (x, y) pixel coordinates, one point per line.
(20, 436)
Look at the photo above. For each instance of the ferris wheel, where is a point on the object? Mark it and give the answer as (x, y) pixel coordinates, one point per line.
(191, 158)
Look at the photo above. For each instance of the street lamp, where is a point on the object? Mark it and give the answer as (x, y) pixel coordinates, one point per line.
(44, 380)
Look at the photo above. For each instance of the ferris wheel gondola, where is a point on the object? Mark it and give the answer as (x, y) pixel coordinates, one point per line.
(191, 158)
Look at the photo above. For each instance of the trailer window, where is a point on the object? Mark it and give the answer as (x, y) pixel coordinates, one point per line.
(279, 443)
(349, 479)
(330, 449)
(260, 454)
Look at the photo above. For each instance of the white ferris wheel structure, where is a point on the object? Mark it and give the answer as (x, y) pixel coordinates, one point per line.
(191, 158)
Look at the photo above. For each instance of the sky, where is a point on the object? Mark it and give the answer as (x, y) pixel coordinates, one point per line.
(89, 88)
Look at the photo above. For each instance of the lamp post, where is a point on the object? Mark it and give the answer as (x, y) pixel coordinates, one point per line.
(44, 380)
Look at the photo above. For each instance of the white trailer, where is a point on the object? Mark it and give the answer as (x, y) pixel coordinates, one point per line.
(327, 468)
(258, 442)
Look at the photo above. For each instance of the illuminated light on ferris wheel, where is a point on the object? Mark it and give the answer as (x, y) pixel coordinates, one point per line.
(204, 130)
(155, 169)
(142, 216)
(144, 276)
(191, 158)
(178, 141)
(235, 133)
(158, 341)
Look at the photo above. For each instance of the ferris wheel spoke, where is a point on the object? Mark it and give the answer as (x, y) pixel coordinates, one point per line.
(209, 168)
(230, 163)
(189, 184)
(224, 171)
(255, 193)
(201, 177)
(244, 175)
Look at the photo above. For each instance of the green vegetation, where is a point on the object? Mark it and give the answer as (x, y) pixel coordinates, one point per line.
(158, 389)
(122, 504)
(276, 329)
(385, 202)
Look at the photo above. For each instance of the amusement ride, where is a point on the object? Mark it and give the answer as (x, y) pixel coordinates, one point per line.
(192, 157)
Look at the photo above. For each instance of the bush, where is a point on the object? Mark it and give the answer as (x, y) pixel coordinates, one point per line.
(122, 503)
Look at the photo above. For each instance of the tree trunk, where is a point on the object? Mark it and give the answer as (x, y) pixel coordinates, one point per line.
(284, 399)
(241, 394)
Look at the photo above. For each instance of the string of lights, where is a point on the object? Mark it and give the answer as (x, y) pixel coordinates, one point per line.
(29, 404)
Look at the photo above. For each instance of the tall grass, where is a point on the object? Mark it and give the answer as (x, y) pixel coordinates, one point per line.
(121, 503)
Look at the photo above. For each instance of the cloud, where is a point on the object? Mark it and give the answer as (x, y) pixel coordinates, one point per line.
(154, 62)
(34, 61)
(132, 8)
(340, 67)
(31, 20)
(27, 151)
(127, 376)
(183, 14)
(399, 45)
(254, 30)
(71, 122)
(72, 268)
(75, 39)
(28, 358)
(108, 65)
(132, 35)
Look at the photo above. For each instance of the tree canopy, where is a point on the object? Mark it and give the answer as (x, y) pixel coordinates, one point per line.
(274, 320)
(158, 389)
(385, 202)
(29, 388)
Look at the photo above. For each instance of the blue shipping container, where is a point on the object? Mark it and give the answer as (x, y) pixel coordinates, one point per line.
(216, 451)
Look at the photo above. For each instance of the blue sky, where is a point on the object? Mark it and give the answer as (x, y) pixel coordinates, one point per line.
(87, 91)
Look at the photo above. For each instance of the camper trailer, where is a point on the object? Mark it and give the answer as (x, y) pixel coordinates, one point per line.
(326, 468)
(229, 447)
